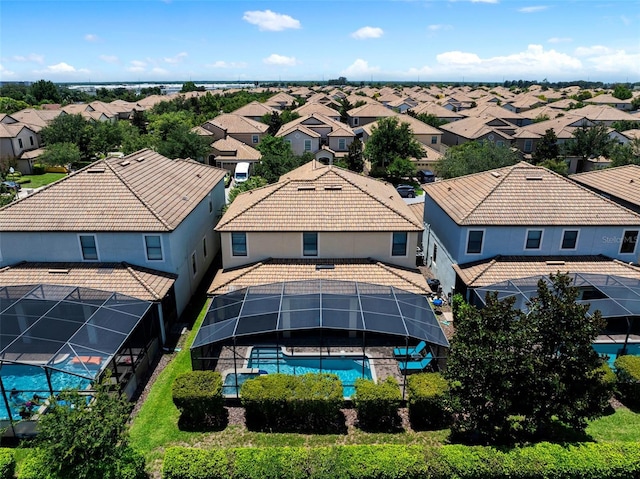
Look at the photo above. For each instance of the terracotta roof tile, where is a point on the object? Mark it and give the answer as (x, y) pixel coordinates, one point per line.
(622, 182)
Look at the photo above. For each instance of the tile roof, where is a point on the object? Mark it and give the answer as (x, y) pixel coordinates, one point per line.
(142, 283)
(255, 108)
(315, 197)
(603, 113)
(144, 191)
(36, 119)
(278, 270)
(622, 182)
(234, 123)
(372, 110)
(524, 194)
(240, 151)
(311, 107)
(503, 268)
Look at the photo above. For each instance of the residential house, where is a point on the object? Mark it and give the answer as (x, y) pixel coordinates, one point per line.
(498, 112)
(520, 211)
(478, 129)
(604, 114)
(610, 100)
(310, 108)
(281, 101)
(16, 138)
(620, 184)
(254, 110)
(228, 152)
(236, 126)
(368, 113)
(441, 113)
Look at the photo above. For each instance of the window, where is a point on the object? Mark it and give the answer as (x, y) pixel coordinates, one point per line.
(342, 144)
(474, 242)
(435, 252)
(239, 244)
(399, 246)
(255, 139)
(569, 239)
(204, 246)
(31, 140)
(356, 121)
(310, 244)
(434, 140)
(307, 145)
(528, 145)
(89, 248)
(194, 266)
(153, 245)
(629, 241)
(20, 142)
(534, 239)
(499, 143)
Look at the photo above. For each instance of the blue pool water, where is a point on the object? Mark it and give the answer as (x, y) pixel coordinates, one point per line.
(348, 369)
(612, 350)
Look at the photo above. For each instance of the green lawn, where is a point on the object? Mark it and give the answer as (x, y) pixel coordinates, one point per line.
(36, 181)
(623, 425)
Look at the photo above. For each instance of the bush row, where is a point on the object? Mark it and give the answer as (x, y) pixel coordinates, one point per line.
(7, 463)
(541, 461)
(628, 375)
(377, 404)
(427, 394)
(198, 397)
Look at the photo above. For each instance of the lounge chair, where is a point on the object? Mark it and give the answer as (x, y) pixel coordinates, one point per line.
(407, 366)
(410, 352)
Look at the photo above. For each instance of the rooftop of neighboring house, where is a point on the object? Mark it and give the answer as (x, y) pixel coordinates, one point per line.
(36, 119)
(307, 124)
(316, 197)
(254, 109)
(417, 127)
(144, 191)
(603, 113)
(312, 107)
(622, 182)
(234, 123)
(563, 126)
(540, 112)
(607, 99)
(231, 149)
(432, 108)
(489, 109)
(371, 110)
(522, 195)
(11, 130)
(476, 127)
(123, 278)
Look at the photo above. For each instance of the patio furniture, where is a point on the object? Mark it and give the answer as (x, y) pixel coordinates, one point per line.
(412, 366)
(411, 352)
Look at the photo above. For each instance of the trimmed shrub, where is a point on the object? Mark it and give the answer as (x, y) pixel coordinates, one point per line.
(7, 463)
(35, 466)
(198, 397)
(457, 300)
(428, 401)
(190, 463)
(628, 374)
(39, 169)
(285, 402)
(377, 404)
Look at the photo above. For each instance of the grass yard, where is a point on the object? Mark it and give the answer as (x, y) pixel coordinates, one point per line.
(36, 181)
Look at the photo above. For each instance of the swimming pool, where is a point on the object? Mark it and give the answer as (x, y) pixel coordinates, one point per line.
(612, 350)
(347, 367)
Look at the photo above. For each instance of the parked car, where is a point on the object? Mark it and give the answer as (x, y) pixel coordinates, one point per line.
(406, 191)
(11, 185)
(426, 176)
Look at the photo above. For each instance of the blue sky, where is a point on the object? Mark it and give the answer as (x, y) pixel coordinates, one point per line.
(406, 40)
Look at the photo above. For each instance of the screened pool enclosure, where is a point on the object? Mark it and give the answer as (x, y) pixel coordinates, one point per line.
(59, 337)
(318, 321)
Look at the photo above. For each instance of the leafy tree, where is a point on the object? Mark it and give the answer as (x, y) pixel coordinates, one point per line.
(105, 137)
(391, 139)
(622, 92)
(88, 440)
(190, 86)
(540, 118)
(590, 141)
(516, 377)
(626, 154)
(474, 157)
(635, 103)
(172, 137)
(624, 125)
(400, 168)
(345, 106)
(69, 129)
(558, 165)
(9, 105)
(431, 119)
(251, 184)
(547, 148)
(139, 120)
(355, 158)
(60, 154)
(44, 90)
(274, 121)
(277, 158)
(17, 91)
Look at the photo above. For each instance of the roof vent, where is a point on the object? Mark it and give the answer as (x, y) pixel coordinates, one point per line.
(333, 188)
(533, 178)
(325, 266)
(125, 163)
(495, 174)
(58, 271)
(555, 263)
(306, 188)
(140, 159)
(96, 170)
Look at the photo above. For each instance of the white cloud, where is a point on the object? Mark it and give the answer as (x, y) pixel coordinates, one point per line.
(458, 58)
(137, 66)
(109, 58)
(32, 57)
(177, 59)
(616, 62)
(159, 71)
(367, 32)
(360, 68)
(90, 37)
(626, 20)
(62, 68)
(270, 21)
(484, 1)
(538, 8)
(559, 40)
(275, 59)
(223, 64)
(5, 73)
(439, 27)
(592, 50)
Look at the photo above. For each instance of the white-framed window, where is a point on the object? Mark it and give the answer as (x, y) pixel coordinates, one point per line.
(399, 243)
(153, 247)
(88, 247)
(255, 139)
(569, 239)
(239, 244)
(475, 241)
(434, 140)
(309, 243)
(204, 247)
(534, 239)
(342, 144)
(194, 264)
(629, 240)
(307, 145)
(528, 145)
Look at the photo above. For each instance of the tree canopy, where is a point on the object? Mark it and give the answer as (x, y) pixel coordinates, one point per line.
(547, 148)
(516, 376)
(60, 154)
(277, 158)
(474, 157)
(590, 141)
(391, 139)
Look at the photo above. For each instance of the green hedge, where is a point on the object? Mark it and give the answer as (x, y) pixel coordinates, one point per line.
(541, 461)
(7, 463)
(284, 402)
(628, 374)
(427, 397)
(377, 404)
(198, 397)
(39, 169)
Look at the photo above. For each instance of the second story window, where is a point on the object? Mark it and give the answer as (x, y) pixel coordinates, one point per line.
(534, 239)
(255, 139)
(434, 140)
(310, 244)
(153, 245)
(569, 239)
(528, 146)
(239, 244)
(89, 248)
(342, 144)
(629, 241)
(399, 244)
(31, 140)
(307, 145)
(474, 242)
(20, 143)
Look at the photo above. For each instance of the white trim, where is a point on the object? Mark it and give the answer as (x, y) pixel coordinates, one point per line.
(575, 247)
(246, 240)
(95, 239)
(466, 243)
(406, 245)
(526, 239)
(317, 245)
(146, 251)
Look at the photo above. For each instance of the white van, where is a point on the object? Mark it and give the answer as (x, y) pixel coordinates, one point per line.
(242, 172)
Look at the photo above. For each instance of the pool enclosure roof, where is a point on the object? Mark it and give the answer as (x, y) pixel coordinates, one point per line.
(73, 329)
(320, 304)
(613, 296)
